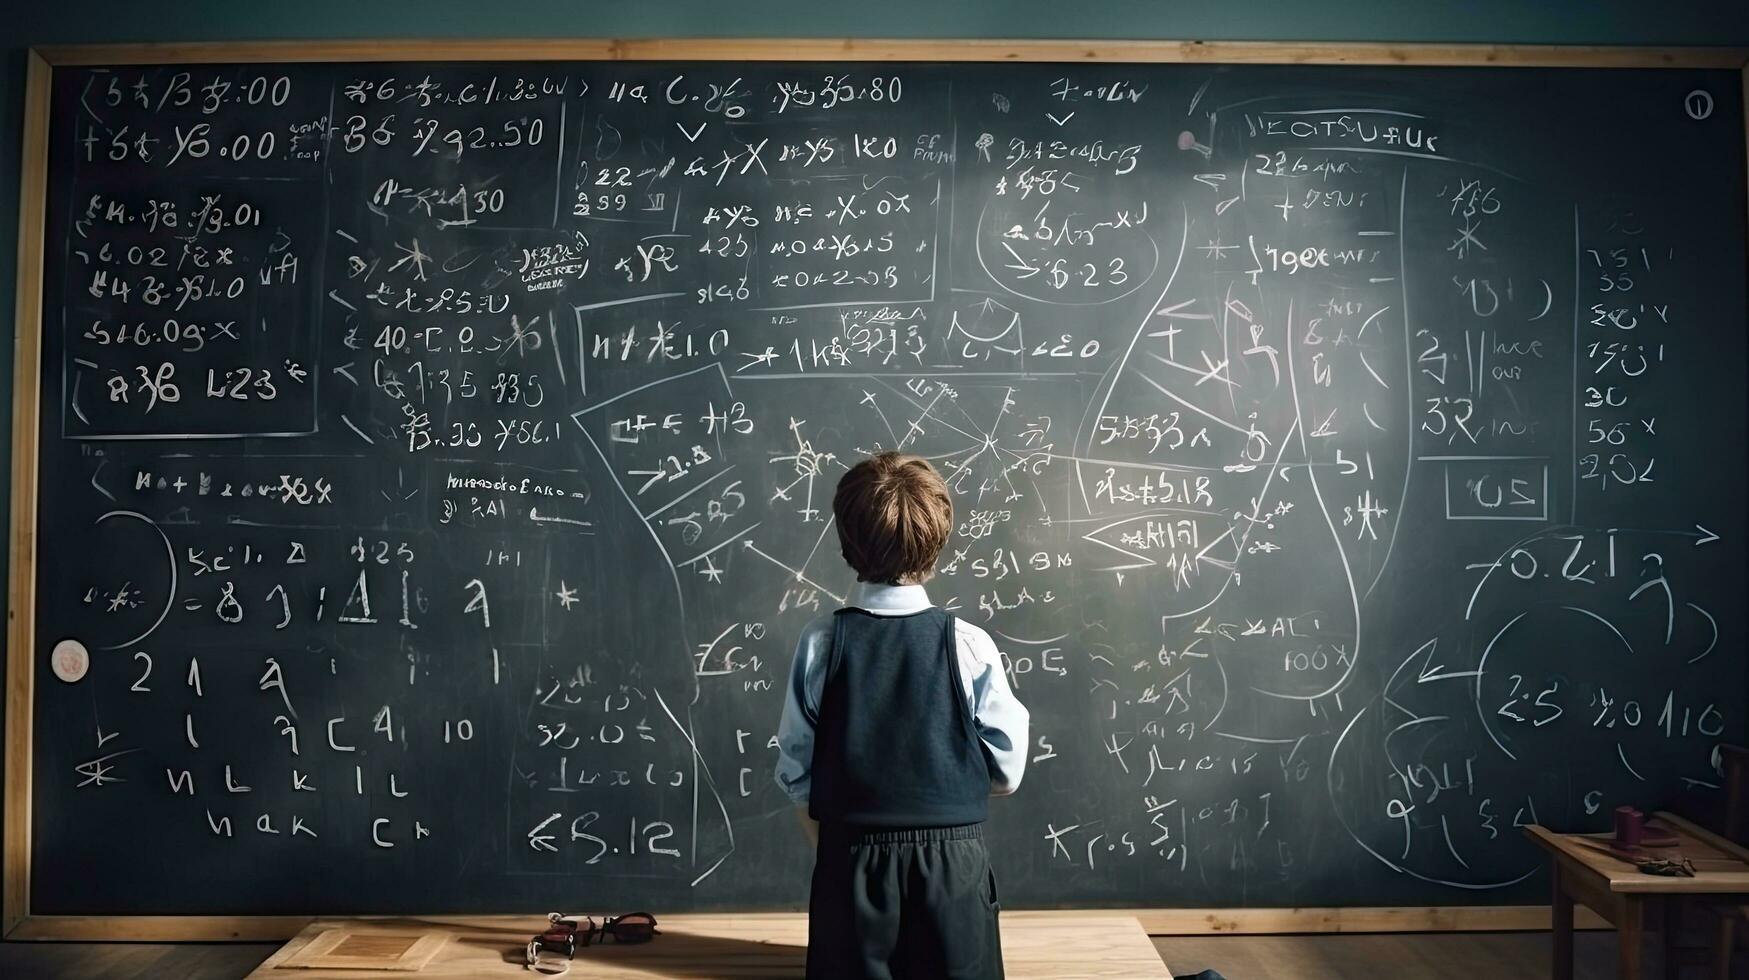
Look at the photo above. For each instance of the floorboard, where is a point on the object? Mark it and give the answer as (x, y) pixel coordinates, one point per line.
(131, 961)
(1422, 956)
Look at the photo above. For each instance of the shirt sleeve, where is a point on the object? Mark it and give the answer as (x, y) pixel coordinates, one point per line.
(1003, 722)
(801, 712)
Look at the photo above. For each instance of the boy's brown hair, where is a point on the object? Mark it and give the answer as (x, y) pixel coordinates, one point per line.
(894, 516)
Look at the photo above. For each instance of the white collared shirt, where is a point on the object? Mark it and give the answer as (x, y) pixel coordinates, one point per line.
(1000, 719)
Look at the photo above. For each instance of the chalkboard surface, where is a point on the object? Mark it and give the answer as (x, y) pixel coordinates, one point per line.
(436, 463)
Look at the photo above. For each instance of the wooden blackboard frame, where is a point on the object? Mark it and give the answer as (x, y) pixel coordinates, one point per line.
(16, 920)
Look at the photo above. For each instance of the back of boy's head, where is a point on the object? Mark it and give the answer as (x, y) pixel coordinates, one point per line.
(894, 516)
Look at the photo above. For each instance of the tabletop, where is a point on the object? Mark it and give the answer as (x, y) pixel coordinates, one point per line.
(1722, 867)
(1035, 945)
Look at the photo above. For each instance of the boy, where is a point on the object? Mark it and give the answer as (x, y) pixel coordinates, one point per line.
(897, 728)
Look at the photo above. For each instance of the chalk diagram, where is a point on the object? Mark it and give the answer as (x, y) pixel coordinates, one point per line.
(1471, 722)
(131, 604)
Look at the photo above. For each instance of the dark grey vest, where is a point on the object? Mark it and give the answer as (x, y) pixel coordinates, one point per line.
(895, 745)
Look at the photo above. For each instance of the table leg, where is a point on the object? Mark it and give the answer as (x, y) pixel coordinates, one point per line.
(1724, 937)
(1629, 929)
(1561, 908)
(1672, 929)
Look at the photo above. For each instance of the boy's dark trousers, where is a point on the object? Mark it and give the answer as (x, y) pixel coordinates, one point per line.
(903, 905)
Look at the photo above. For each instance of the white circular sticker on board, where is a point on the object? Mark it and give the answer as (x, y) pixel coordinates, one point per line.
(70, 660)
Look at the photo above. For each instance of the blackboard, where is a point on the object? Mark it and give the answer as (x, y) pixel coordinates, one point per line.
(434, 464)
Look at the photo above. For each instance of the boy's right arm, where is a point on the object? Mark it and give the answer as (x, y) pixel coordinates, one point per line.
(795, 730)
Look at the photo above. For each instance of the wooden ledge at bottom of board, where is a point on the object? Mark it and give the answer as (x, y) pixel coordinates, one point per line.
(1155, 921)
(1405, 918)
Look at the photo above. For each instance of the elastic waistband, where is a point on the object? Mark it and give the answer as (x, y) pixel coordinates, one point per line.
(899, 835)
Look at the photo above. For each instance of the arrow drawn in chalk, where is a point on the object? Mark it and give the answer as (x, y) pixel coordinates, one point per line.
(535, 515)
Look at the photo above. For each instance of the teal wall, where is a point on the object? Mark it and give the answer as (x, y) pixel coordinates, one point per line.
(30, 22)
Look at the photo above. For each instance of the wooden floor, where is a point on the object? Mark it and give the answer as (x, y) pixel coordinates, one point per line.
(131, 961)
(1423, 956)
(1446, 956)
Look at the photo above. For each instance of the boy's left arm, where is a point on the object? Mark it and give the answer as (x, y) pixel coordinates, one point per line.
(1003, 722)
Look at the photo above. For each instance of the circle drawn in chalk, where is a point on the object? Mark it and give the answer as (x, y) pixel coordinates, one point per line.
(70, 660)
(1698, 104)
(170, 555)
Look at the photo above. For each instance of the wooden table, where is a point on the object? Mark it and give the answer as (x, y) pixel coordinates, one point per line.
(1035, 945)
(1584, 871)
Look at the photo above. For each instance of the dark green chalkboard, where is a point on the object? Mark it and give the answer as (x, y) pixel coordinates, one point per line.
(435, 463)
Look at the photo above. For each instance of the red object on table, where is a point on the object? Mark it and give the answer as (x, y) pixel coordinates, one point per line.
(1630, 826)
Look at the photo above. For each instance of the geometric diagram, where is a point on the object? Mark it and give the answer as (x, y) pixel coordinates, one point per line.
(809, 464)
(988, 449)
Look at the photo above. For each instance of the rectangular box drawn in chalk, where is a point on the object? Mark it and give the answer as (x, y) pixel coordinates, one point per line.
(823, 254)
(664, 440)
(186, 312)
(1497, 488)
